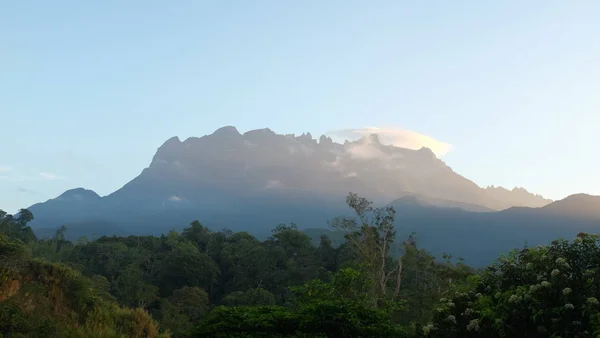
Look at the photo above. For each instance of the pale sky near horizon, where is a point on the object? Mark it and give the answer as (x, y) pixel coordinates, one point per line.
(90, 89)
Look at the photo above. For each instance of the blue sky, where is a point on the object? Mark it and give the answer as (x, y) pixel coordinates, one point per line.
(90, 89)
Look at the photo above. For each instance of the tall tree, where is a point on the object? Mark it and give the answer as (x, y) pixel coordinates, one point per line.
(372, 233)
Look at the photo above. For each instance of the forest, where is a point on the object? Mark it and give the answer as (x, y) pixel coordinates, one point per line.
(203, 283)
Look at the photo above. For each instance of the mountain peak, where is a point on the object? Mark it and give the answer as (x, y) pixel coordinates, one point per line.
(325, 140)
(226, 131)
(427, 151)
(78, 194)
(259, 135)
(582, 205)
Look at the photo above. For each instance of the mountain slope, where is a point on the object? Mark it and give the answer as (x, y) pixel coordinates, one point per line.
(228, 173)
(227, 163)
(480, 237)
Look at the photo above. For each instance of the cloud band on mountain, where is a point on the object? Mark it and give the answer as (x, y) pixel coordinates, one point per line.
(397, 137)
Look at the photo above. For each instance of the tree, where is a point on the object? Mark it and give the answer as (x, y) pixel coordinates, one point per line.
(197, 234)
(547, 291)
(336, 309)
(185, 265)
(248, 322)
(191, 301)
(251, 297)
(372, 233)
(16, 227)
(132, 289)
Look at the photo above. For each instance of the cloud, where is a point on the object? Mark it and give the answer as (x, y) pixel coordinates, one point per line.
(12, 176)
(394, 136)
(29, 191)
(274, 184)
(367, 149)
(49, 176)
(175, 199)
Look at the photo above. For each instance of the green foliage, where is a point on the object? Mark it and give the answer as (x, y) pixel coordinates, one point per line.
(185, 265)
(336, 309)
(191, 301)
(256, 321)
(43, 299)
(544, 291)
(132, 289)
(372, 234)
(19, 324)
(372, 285)
(16, 227)
(251, 297)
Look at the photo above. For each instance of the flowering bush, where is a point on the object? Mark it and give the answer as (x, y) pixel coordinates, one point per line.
(547, 291)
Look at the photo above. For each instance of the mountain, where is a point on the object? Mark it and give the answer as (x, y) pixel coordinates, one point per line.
(480, 237)
(518, 197)
(227, 163)
(256, 180)
(579, 205)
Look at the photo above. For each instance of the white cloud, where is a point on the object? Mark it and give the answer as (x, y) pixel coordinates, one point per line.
(394, 136)
(49, 176)
(335, 166)
(175, 199)
(274, 184)
(5, 169)
(8, 174)
(366, 150)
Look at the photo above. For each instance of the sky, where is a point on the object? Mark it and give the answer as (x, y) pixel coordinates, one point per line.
(506, 91)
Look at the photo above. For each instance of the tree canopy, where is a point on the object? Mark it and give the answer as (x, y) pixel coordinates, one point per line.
(204, 283)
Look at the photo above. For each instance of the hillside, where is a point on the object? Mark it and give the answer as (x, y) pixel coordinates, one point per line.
(42, 299)
(479, 237)
(210, 175)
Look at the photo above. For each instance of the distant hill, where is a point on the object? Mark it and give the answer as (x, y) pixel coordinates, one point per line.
(480, 237)
(256, 180)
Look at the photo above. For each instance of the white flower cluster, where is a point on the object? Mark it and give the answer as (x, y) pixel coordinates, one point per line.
(569, 306)
(428, 328)
(451, 318)
(515, 299)
(555, 273)
(460, 294)
(592, 300)
(473, 325)
(563, 262)
(567, 291)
